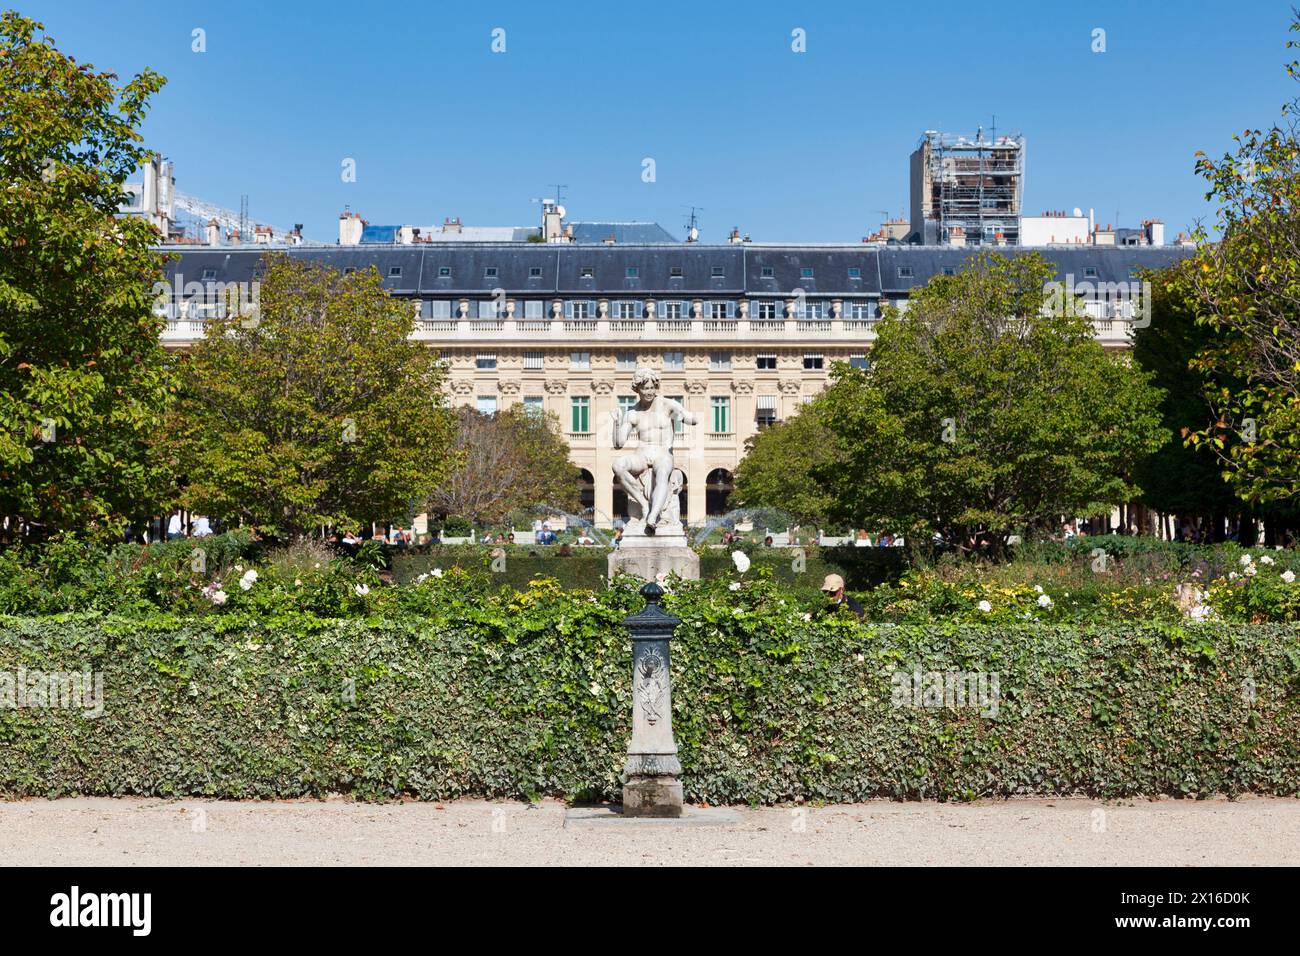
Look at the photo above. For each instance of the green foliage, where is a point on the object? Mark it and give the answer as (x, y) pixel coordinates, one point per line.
(509, 461)
(318, 410)
(777, 470)
(587, 567)
(462, 690)
(1247, 289)
(1261, 589)
(985, 412)
(83, 380)
(1177, 478)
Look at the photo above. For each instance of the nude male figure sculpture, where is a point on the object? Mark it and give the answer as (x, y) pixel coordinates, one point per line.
(653, 421)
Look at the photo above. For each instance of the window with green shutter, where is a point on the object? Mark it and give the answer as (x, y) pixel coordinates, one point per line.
(721, 415)
(581, 414)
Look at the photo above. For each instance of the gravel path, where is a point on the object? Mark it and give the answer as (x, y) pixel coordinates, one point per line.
(94, 831)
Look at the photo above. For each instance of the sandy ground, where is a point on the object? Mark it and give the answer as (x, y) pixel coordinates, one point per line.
(96, 831)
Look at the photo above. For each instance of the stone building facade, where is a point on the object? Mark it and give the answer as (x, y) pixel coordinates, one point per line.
(741, 333)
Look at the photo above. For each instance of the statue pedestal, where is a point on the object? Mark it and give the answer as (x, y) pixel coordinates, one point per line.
(649, 555)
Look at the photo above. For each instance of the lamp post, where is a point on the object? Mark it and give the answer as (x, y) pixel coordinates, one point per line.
(652, 786)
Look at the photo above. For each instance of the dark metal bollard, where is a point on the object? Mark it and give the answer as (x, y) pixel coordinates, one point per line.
(652, 786)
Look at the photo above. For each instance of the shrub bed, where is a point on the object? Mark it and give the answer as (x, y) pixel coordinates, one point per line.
(586, 567)
(458, 690)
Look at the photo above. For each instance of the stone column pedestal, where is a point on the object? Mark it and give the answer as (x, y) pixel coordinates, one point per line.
(652, 785)
(648, 556)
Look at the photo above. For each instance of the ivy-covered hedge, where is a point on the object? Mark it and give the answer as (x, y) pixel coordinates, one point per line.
(522, 695)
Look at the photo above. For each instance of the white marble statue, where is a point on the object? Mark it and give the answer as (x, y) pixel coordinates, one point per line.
(653, 422)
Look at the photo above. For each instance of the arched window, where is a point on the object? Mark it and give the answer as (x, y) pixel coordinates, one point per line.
(586, 493)
(717, 491)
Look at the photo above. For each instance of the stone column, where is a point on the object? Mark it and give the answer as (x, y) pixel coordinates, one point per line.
(652, 786)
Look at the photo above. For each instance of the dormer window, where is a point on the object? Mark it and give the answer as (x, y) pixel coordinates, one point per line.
(394, 272)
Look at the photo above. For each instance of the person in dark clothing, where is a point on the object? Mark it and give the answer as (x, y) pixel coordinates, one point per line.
(837, 601)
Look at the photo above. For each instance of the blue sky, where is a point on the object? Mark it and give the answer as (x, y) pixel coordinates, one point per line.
(788, 146)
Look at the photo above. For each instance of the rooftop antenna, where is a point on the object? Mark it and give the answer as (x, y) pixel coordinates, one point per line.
(243, 217)
(692, 225)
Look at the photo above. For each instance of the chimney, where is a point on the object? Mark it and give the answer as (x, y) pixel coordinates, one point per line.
(295, 237)
(1104, 237)
(957, 237)
(734, 238)
(214, 232)
(262, 235)
(350, 227)
(1155, 230)
(451, 225)
(552, 214)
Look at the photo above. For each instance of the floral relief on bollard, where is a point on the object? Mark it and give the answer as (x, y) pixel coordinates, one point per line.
(652, 785)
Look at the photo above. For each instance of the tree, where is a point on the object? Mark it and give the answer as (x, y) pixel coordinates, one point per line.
(985, 412)
(1180, 478)
(777, 470)
(509, 462)
(314, 409)
(1247, 289)
(83, 377)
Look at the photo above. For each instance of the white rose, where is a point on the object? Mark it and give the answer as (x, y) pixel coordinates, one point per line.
(1265, 559)
(741, 560)
(1044, 601)
(1244, 560)
(245, 584)
(436, 572)
(218, 597)
(1250, 570)
(733, 586)
(985, 606)
(1232, 575)
(1288, 577)
(1038, 588)
(250, 574)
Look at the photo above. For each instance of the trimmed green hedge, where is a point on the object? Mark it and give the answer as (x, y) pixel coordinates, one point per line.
(528, 695)
(585, 567)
